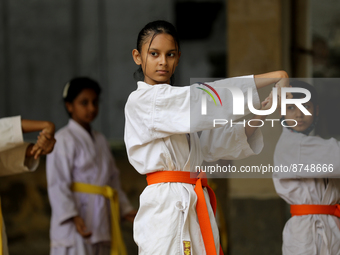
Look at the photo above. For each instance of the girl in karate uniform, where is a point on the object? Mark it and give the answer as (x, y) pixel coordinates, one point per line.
(175, 215)
(16, 156)
(313, 229)
(83, 181)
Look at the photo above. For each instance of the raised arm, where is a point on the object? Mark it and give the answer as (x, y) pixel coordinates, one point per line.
(37, 125)
(280, 78)
(59, 179)
(162, 110)
(237, 142)
(46, 141)
(265, 105)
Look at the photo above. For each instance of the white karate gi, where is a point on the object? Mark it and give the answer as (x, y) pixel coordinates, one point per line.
(12, 155)
(78, 157)
(156, 128)
(309, 234)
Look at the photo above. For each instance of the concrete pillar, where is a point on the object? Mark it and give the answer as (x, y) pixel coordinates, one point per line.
(254, 36)
(257, 43)
(301, 39)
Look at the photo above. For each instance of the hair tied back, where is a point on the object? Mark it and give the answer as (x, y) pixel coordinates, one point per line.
(65, 91)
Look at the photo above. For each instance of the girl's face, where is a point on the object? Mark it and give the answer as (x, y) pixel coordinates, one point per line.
(303, 121)
(84, 108)
(158, 61)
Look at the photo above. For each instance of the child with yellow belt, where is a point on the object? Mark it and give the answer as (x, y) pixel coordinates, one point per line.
(83, 181)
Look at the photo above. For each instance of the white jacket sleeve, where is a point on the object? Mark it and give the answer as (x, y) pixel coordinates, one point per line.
(59, 178)
(307, 156)
(162, 110)
(230, 143)
(10, 132)
(13, 161)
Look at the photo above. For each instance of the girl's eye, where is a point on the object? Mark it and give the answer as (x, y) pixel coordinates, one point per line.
(84, 103)
(290, 107)
(171, 54)
(154, 54)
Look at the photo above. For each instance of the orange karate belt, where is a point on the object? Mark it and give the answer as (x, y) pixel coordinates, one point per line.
(201, 207)
(298, 210)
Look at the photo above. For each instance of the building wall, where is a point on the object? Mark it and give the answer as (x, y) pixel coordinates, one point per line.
(44, 43)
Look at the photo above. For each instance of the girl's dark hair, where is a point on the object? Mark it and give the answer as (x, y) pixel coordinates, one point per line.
(153, 29)
(305, 85)
(75, 86)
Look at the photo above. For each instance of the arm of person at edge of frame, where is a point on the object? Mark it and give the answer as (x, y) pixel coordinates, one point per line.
(45, 142)
(281, 79)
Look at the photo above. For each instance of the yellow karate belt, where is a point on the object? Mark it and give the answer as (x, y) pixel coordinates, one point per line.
(0, 229)
(117, 243)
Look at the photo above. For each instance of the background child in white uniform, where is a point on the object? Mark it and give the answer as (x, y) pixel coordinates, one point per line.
(311, 184)
(80, 222)
(159, 137)
(16, 156)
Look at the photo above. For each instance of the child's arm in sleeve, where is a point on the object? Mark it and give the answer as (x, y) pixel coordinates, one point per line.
(307, 157)
(279, 78)
(230, 143)
(59, 165)
(163, 110)
(16, 160)
(10, 132)
(29, 126)
(236, 142)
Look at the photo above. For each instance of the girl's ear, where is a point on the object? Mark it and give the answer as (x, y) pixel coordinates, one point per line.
(179, 55)
(317, 111)
(137, 57)
(69, 107)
